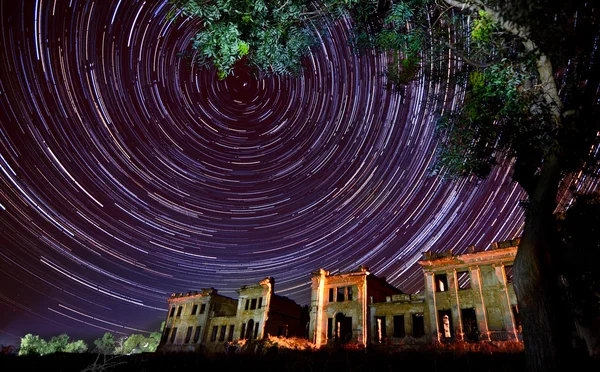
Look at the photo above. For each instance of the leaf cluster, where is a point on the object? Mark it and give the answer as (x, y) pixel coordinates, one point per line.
(483, 28)
(271, 35)
(399, 29)
(35, 345)
(501, 116)
(105, 344)
(135, 343)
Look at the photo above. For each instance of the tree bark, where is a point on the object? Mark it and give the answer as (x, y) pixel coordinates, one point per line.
(546, 324)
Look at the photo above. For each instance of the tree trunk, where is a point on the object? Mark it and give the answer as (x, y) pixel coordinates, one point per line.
(546, 323)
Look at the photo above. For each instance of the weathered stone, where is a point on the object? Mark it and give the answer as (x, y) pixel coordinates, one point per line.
(208, 321)
(467, 297)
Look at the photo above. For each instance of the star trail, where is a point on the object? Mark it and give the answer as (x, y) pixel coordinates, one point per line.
(127, 173)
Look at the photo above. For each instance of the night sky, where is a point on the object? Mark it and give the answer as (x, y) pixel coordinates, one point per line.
(128, 174)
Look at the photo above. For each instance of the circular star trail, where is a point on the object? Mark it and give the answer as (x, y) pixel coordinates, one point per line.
(127, 173)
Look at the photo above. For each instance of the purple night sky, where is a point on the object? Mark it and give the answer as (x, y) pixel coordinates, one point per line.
(127, 174)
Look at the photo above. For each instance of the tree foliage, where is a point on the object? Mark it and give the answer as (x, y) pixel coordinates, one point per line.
(397, 28)
(34, 345)
(105, 344)
(78, 346)
(495, 121)
(271, 35)
(135, 343)
(58, 344)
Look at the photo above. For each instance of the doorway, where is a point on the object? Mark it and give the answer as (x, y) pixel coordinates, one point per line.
(343, 328)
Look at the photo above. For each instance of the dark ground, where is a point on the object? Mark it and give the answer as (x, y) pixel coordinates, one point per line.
(342, 360)
(292, 361)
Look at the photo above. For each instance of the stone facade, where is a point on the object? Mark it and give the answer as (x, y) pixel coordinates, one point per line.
(207, 321)
(340, 303)
(467, 297)
(471, 296)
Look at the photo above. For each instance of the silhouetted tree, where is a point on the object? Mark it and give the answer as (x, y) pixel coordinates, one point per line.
(531, 98)
(527, 77)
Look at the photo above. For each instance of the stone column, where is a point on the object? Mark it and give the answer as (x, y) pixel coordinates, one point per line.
(507, 315)
(373, 323)
(314, 309)
(456, 315)
(364, 336)
(430, 306)
(479, 303)
(317, 329)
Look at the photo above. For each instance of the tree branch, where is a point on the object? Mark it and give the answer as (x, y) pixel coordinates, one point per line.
(465, 58)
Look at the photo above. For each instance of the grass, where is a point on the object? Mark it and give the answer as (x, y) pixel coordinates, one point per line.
(297, 355)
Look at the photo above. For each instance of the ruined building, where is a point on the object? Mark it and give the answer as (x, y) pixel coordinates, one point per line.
(467, 297)
(206, 320)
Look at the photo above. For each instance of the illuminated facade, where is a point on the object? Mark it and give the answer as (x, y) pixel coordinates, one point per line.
(207, 321)
(467, 297)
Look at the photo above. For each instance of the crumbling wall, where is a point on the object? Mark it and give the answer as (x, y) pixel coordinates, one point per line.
(404, 306)
(378, 289)
(284, 318)
(187, 330)
(219, 331)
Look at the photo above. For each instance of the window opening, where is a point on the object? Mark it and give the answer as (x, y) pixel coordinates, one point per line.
(464, 280)
(249, 329)
(340, 294)
(399, 330)
(441, 282)
(188, 334)
(469, 323)
(418, 325)
(173, 334)
(381, 334)
(256, 330)
(509, 273)
(230, 336)
(222, 334)
(243, 332)
(283, 330)
(343, 328)
(445, 323)
(165, 335)
(197, 334)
